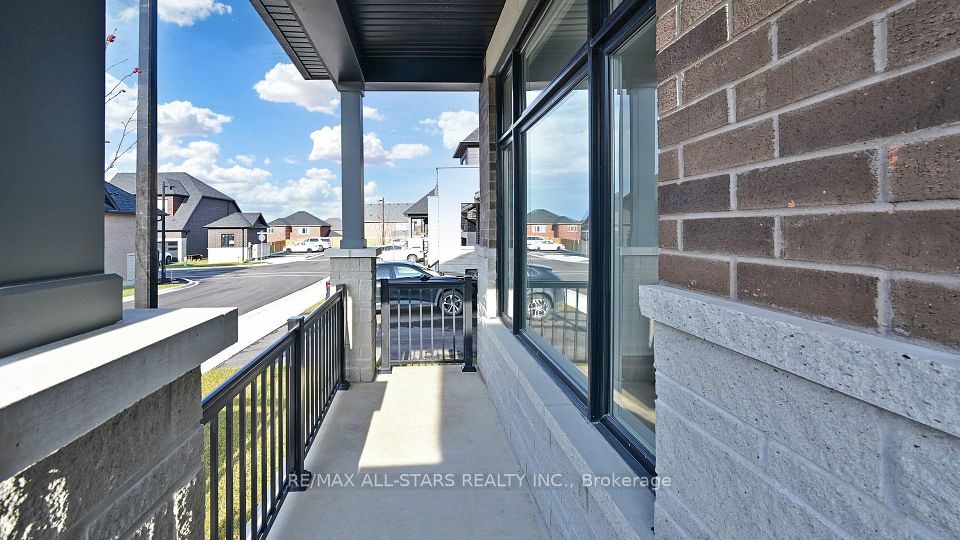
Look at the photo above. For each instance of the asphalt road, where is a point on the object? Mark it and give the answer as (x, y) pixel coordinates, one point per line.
(244, 287)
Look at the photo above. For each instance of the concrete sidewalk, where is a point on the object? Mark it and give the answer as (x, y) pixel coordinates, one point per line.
(413, 424)
(256, 324)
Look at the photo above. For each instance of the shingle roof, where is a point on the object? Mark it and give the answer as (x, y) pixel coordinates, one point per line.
(240, 220)
(545, 216)
(392, 212)
(118, 201)
(419, 208)
(335, 223)
(471, 140)
(302, 219)
(178, 183)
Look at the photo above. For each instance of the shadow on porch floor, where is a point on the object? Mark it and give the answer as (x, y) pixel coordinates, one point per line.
(412, 425)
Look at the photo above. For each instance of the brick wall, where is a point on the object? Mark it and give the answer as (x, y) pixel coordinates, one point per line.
(810, 158)
(488, 164)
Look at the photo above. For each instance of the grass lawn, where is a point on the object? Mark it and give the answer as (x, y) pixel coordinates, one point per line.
(203, 262)
(264, 424)
(128, 290)
(310, 309)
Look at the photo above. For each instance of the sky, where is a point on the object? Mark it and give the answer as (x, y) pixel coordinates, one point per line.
(234, 112)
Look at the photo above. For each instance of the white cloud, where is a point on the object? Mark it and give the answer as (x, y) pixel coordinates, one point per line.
(186, 12)
(128, 14)
(284, 84)
(266, 161)
(202, 159)
(248, 159)
(326, 145)
(370, 194)
(371, 113)
(455, 125)
(119, 108)
(290, 160)
(181, 118)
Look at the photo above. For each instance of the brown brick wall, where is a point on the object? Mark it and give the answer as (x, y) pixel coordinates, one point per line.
(810, 158)
(488, 164)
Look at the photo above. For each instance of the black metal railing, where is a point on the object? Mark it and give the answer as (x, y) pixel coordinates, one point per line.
(427, 322)
(557, 311)
(263, 419)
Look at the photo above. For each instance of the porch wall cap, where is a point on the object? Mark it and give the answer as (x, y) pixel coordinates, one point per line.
(370, 252)
(54, 394)
(908, 379)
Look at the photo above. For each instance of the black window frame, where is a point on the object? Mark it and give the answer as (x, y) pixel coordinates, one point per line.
(607, 32)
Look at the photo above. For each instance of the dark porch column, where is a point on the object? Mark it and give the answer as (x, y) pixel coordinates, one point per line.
(351, 155)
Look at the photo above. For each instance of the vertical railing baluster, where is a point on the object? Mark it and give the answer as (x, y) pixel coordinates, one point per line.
(243, 462)
(385, 334)
(273, 434)
(228, 460)
(297, 411)
(420, 325)
(264, 486)
(214, 479)
(254, 529)
(468, 326)
(342, 337)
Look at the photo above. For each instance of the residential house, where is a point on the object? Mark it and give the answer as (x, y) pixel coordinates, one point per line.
(119, 231)
(546, 224)
(418, 215)
(297, 226)
(239, 237)
(468, 150)
(190, 205)
(386, 222)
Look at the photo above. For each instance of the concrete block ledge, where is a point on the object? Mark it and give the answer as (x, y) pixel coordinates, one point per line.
(617, 512)
(54, 394)
(907, 379)
(357, 252)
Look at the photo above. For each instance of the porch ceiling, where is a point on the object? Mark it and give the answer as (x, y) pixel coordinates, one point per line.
(385, 44)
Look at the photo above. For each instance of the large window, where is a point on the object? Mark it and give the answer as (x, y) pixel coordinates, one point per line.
(578, 200)
(635, 229)
(562, 32)
(558, 191)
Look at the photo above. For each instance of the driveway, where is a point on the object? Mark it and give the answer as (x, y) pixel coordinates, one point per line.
(244, 287)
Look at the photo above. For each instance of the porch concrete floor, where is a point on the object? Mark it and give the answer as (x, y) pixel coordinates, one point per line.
(415, 421)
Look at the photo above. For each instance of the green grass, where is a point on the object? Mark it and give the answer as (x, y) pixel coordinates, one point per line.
(128, 290)
(310, 309)
(203, 262)
(209, 381)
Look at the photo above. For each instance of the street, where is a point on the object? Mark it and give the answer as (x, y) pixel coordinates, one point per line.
(244, 287)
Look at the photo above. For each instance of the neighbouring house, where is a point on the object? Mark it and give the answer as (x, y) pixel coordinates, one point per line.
(468, 150)
(336, 226)
(386, 222)
(557, 227)
(297, 226)
(190, 205)
(236, 238)
(119, 231)
(418, 215)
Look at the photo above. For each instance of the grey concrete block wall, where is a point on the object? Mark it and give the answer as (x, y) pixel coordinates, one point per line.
(755, 451)
(140, 474)
(357, 274)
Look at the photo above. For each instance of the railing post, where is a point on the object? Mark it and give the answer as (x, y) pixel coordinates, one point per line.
(344, 384)
(385, 366)
(468, 326)
(295, 416)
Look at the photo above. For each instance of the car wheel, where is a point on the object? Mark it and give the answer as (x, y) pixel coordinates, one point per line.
(320, 250)
(539, 306)
(288, 250)
(451, 303)
(412, 258)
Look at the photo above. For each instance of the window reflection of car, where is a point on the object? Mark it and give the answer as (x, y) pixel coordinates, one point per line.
(307, 245)
(448, 301)
(535, 243)
(542, 292)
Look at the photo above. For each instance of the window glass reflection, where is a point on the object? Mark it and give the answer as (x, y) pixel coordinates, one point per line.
(561, 33)
(635, 230)
(506, 101)
(557, 233)
(506, 175)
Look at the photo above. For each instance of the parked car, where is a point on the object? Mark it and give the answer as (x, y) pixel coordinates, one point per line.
(307, 245)
(400, 252)
(168, 259)
(535, 243)
(542, 294)
(449, 301)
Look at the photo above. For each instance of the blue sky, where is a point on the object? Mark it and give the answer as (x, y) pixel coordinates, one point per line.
(234, 112)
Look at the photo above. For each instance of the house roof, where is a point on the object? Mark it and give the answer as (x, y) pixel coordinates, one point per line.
(368, 42)
(178, 183)
(419, 208)
(240, 220)
(392, 212)
(470, 141)
(300, 219)
(336, 224)
(118, 201)
(545, 216)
